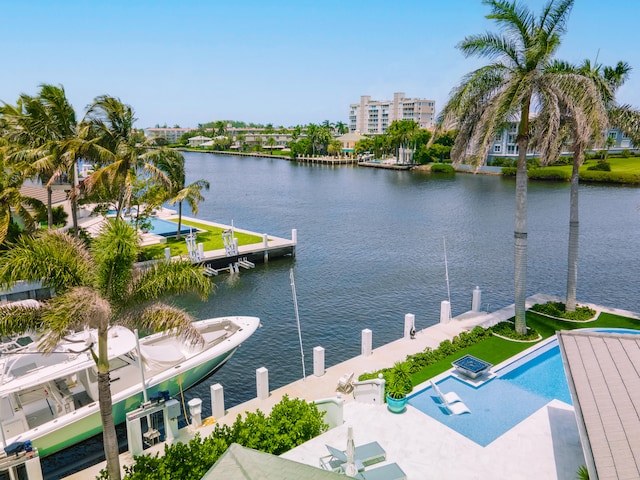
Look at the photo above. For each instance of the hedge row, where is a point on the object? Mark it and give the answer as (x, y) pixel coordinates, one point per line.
(585, 176)
(430, 356)
(558, 310)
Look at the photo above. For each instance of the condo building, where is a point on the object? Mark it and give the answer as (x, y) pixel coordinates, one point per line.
(373, 116)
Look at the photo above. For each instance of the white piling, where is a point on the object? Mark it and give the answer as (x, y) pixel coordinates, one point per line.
(201, 251)
(367, 342)
(167, 254)
(262, 383)
(265, 240)
(409, 324)
(217, 401)
(294, 239)
(476, 302)
(318, 361)
(195, 410)
(445, 311)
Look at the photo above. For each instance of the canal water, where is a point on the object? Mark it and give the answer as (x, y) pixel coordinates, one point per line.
(371, 248)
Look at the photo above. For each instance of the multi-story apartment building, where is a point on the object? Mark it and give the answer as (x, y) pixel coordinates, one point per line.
(171, 135)
(506, 142)
(373, 116)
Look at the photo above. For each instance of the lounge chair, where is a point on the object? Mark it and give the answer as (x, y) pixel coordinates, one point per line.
(456, 408)
(391, 471)
(345, 383)
(449, 397)
(365, 455)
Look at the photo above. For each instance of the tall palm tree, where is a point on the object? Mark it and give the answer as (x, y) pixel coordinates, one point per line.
(111, 124)
(401, 134)
(586, 128)
(511, 88)
(98, 288)
(180, 192)
(12, 201)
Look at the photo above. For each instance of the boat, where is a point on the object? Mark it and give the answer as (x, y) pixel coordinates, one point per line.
(51, 399)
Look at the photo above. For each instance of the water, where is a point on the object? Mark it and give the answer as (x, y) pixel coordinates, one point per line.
(371, 250)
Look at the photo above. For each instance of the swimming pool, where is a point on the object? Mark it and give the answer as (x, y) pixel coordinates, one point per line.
(166, 228)
(518, 390)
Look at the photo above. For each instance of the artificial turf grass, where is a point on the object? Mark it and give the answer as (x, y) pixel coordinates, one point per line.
(211, 238)
(496, 350)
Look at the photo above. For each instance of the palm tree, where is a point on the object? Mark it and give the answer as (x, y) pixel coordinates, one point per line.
(585, 128)
(341, 127)
(98, 288)
(111, 124)
(401, 133)
(12, 201)
(507, 89)
(38, 127)
(180, 192)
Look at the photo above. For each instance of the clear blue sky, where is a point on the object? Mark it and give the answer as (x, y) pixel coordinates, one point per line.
(285, 62)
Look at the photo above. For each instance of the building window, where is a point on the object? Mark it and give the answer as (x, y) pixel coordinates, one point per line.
(496, 148)
(613, 135)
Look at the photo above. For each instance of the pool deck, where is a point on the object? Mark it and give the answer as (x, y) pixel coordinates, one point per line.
(545, 445)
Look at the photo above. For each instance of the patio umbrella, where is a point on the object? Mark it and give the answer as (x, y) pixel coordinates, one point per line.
(350, 468)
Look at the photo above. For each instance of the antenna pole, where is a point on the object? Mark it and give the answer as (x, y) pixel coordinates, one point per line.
(446, 270)
(295, 305)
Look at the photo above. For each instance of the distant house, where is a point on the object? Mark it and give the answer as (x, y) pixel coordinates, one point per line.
(349, 140)
(171, 135)
(197, 141)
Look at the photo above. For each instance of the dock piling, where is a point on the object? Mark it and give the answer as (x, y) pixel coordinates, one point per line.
(367, 341)
(476, 301)
(445, 311)
(262, 383)
(217, 401)
(318, 361)
(409, 325)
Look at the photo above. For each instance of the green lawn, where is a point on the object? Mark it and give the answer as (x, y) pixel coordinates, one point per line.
(211, 238)
(496, 350)
(629, 165)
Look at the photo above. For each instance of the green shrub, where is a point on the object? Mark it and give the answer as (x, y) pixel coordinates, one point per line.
(602, 166)
(502, 162)
(509, 171)
(610, 177)
(558, 309)
(566, 160)
(507, 329)
(291, 423)
(549, 174)
(442, 168)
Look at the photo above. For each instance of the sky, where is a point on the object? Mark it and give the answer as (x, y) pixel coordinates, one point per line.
(271, 61)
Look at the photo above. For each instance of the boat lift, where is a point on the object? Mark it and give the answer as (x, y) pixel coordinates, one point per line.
(231, 249)
(161, 402)
(20, 460)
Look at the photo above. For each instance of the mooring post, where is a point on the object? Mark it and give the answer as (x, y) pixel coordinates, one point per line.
(167, 254)
(409, 325)
(476, 300)
(294, 239)
(367, 341)
(217, 401)
(262, 383)
(445, 311)
(265, 239)
(318, 361)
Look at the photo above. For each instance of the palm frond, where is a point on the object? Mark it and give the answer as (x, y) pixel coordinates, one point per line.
(159, 317)
(18, 319)
(55, 257)
(169, 278)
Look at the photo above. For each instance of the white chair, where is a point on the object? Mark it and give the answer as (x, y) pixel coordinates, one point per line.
(456, 408)
(345, 383)
(446, 398)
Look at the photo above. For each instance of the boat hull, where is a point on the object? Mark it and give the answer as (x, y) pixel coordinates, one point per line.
(85, 422)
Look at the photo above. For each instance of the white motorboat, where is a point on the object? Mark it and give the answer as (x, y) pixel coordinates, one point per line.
(52, 399)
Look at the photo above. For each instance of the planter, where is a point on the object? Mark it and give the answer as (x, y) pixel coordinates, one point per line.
(396, 405)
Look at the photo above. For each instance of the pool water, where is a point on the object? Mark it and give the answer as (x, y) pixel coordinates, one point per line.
(166, 228)
(504, 401)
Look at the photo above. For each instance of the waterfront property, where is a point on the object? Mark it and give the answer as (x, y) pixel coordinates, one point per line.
(420, 443)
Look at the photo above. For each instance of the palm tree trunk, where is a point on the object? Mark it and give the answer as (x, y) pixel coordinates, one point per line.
(179, 220)
(49, 208)
(520, 231)
(572, 270)
(109, 438)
